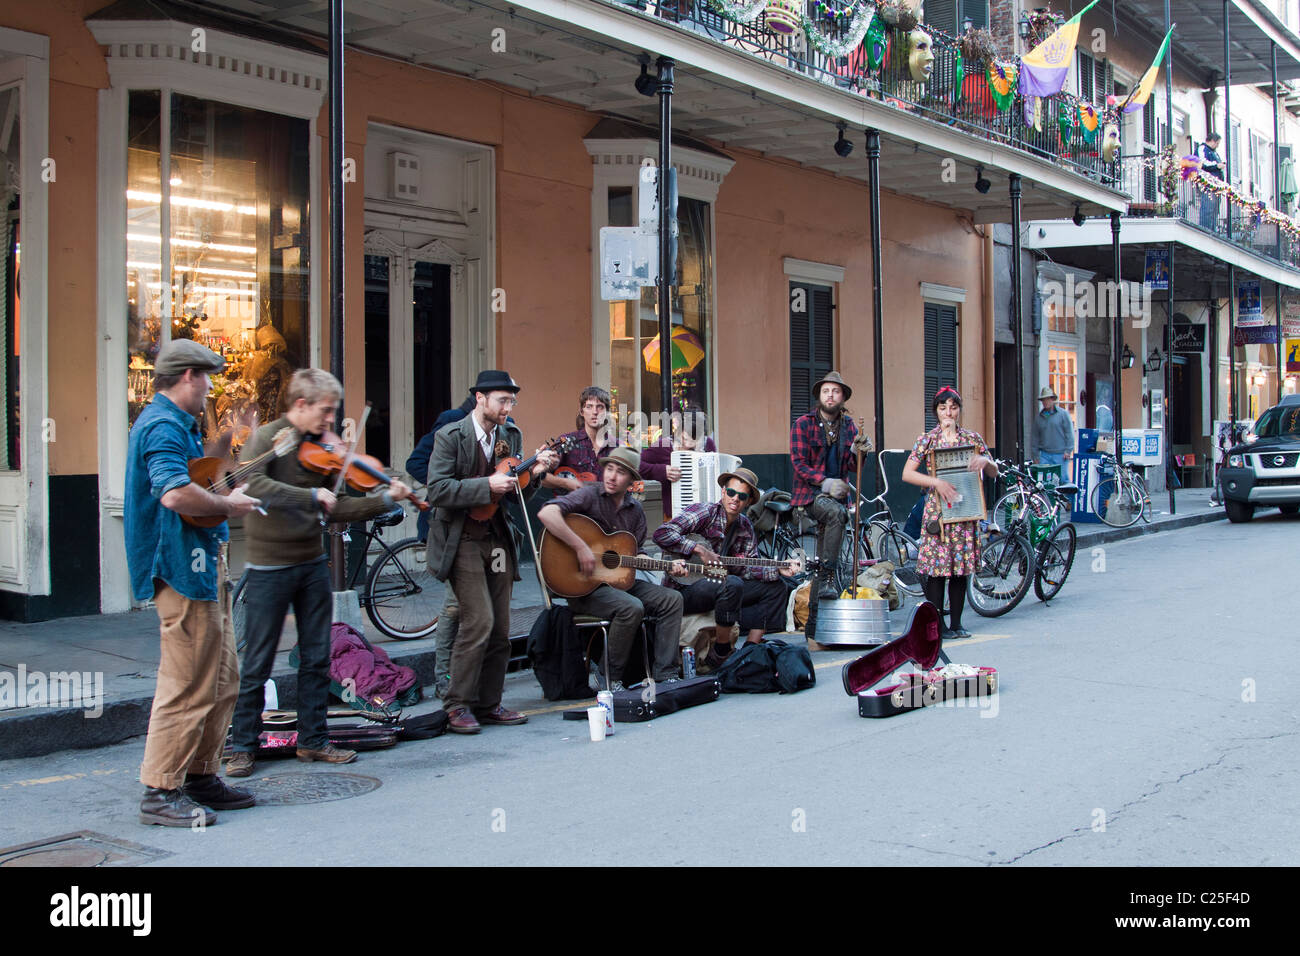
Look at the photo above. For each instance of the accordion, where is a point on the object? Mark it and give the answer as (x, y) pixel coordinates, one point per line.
(699, 481)
(951, 464)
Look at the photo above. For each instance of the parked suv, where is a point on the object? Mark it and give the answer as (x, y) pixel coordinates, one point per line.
(1265, 472)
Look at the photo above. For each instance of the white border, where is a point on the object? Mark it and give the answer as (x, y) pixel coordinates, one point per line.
(817, 272)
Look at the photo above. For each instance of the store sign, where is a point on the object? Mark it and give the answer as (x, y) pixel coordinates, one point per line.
(1291, 316)
(1250, 304)
(1189, 338)
(1257, 335)
(1293, 355)
(1156, 274)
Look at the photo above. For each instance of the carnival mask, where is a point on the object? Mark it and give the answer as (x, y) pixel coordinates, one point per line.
(1109, 142)
(920, 57)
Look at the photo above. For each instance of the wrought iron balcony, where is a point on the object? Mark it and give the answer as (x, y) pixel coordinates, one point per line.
(1245, 226)
(957, 94)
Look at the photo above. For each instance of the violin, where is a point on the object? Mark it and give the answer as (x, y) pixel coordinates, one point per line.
(365, 472)
(636, 488)
(521, 471)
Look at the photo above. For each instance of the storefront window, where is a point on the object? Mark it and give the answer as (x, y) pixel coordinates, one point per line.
(636, 362)
(10, 159)
(229, 226)
(1063, 377)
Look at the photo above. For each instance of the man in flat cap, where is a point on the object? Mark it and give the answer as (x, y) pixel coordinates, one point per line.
(182, 568)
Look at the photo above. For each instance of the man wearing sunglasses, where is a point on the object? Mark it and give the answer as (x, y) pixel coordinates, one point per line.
(754, 598)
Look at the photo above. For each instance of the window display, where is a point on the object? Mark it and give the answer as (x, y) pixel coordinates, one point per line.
(217, 200)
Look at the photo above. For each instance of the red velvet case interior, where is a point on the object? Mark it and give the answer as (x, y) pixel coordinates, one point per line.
(920, 644)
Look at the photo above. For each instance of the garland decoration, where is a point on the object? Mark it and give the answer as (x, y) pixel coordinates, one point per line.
(855, 28)
(738, 11)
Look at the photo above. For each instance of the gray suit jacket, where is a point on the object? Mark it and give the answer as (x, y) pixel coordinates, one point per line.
(452, 494)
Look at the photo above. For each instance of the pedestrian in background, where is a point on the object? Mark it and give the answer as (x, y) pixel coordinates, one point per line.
(1053, 430)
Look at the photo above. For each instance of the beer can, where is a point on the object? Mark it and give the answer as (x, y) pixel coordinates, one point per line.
(688, 662)
(606, 699)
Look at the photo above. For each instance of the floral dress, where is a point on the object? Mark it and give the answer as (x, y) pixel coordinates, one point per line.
(955, 551)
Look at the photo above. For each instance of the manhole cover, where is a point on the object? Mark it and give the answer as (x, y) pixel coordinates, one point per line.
(293, 789)
(79, 849)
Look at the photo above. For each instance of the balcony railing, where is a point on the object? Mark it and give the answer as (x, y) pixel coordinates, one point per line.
(968, 106)
(1213, 214)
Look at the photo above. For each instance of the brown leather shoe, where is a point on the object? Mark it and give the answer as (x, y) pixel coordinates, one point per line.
(499, 715)
(240, 764)
(173, 808)
(329, 754)
(461, 721)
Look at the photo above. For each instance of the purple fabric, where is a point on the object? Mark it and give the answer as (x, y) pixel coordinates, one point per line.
(373, 673)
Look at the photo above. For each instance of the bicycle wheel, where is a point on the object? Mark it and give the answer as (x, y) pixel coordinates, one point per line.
(848, 567)
(402, 597)
(1115, 502)
(1003, 576)
(1055, 556)
(898, 548)
(239, 611)
(1140, 490)
(781, 546)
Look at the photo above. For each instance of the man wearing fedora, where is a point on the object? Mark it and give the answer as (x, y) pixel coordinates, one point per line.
(608, 504)
(480, 559)
(182, 569)
(823, 446)
(752, 597)
(1053, 430)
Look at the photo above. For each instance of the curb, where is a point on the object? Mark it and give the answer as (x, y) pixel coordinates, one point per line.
(1142, 528)
(49, 731)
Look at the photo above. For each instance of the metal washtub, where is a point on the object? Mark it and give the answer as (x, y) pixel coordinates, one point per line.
(853, 621)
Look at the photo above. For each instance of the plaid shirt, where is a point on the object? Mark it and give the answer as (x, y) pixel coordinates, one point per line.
(582, 456)
(808, 452)
(709, 520)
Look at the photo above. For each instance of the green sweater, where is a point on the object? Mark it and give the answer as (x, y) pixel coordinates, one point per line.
(290, 532)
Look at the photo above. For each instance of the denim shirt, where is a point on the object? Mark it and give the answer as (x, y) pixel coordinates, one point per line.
(158, 543)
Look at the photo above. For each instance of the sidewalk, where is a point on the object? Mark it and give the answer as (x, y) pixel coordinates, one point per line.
(118, 653)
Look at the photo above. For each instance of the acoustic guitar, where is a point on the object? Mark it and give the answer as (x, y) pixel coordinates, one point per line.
(617, 561)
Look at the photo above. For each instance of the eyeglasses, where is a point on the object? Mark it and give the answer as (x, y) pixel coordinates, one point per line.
(733, 493)
(508, 401)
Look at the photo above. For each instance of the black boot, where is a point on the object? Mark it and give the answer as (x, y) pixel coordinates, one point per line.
(213, 792)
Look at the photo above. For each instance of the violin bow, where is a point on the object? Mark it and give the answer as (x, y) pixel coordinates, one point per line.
(352, 452)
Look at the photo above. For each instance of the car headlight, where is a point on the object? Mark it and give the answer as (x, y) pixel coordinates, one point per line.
(1236, 461)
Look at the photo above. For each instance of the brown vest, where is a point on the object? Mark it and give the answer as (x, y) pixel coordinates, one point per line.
(477, 530)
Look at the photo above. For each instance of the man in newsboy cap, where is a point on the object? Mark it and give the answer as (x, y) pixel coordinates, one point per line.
(182, 567)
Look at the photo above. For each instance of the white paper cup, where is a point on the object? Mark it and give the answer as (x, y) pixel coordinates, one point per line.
(596, 722)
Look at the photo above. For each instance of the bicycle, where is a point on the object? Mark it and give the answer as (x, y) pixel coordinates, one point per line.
(1121, 498)
(1007, 564)
(1038, 506)
(886, 540)
(399, 593)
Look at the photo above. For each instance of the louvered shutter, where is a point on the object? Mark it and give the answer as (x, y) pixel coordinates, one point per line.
(1086, 77)
(977, 11)
(940, 353)
(812, 343)
(942, 15)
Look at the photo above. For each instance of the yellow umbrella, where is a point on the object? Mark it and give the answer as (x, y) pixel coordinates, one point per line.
(687, 351)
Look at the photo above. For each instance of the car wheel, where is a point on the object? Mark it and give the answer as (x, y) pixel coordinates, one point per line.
(1288, 509)
(1239, 511)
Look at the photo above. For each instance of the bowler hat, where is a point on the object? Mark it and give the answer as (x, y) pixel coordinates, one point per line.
(1046, 392)
(834, 379)
(741, 474)
(494, 380)
(626, 458)
(180, 354)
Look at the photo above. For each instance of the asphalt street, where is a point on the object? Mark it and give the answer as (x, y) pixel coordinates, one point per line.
(1146, 717)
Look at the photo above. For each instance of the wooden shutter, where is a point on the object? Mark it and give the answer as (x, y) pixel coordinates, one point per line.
(942, 15)
(812, 344)
(940, 353)
(977, 11)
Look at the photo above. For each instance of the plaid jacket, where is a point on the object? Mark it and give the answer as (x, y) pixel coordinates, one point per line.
(808, 455)
(709, 520)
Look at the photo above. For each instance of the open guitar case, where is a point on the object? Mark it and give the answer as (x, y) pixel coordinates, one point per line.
(922, 646)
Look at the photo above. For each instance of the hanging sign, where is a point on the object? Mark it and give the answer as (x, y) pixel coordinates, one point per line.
(1250, 304)
(1156, 273)
(1189, 338)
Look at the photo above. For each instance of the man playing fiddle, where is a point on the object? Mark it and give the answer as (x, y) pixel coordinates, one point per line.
(287, 565)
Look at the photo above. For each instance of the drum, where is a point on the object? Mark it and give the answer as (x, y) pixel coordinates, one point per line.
(856, 622)
(783, 16)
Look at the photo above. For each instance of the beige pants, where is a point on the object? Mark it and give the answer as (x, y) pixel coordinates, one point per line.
(198, 683)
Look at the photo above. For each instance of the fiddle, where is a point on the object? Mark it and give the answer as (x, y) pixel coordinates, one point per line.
(521, 471)
(636, 488)
(365, 472)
